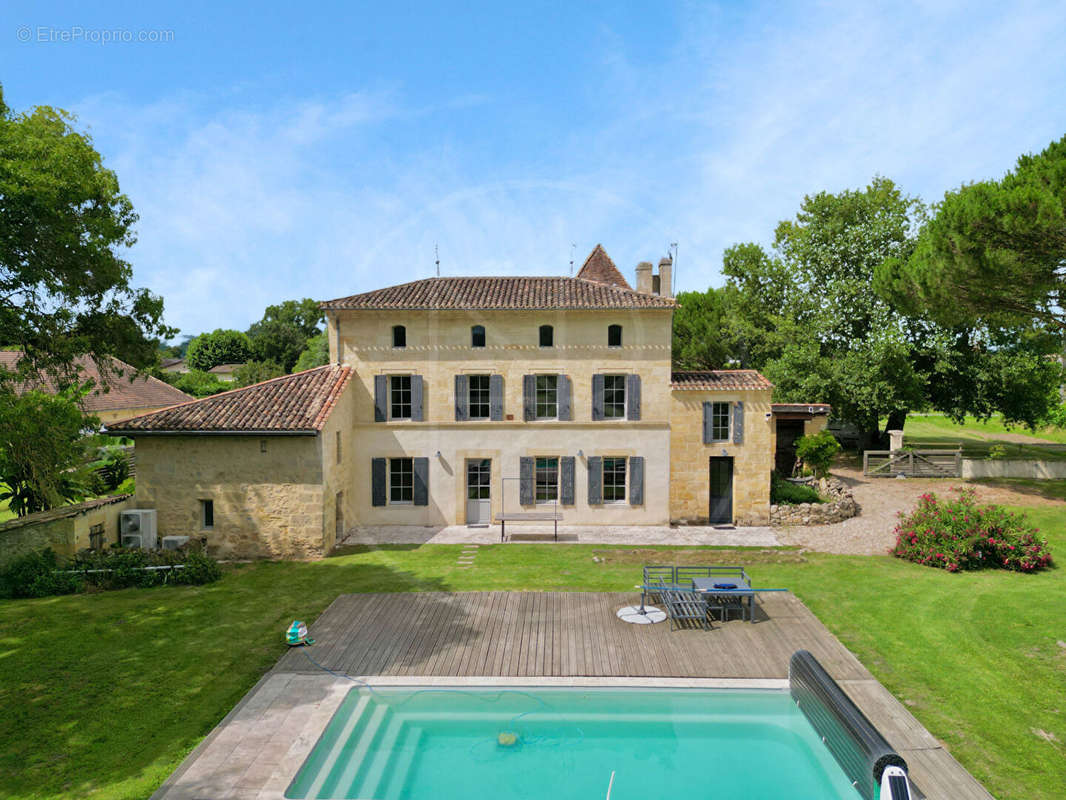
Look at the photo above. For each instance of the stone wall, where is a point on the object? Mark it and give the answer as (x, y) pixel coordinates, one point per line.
(841, 506)
(65, 530)
(1013, 468)
(267, 492)
(753, 460)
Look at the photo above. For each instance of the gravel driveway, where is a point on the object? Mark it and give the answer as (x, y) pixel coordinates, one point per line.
(880, 501)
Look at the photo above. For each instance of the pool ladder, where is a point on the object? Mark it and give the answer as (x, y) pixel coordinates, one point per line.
(610, 785)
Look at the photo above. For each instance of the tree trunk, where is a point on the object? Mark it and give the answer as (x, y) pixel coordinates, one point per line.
(896, 421)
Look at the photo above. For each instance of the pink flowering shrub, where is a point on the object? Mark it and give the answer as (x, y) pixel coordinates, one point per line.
(958, 534)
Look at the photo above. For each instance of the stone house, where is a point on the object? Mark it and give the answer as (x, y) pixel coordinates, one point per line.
(449, 401)
(116, 394)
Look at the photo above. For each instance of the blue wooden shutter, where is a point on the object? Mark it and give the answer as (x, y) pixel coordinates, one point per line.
(633, 397)
(707, 423)
(377, 482)
(595, 481)
(562, 395)
(597, 397)
(529, 396)
(420, 490)
(496, 397)
(525, 481)
(416, 398)
(462, 398)
(381, 397)
(636, 480)
(738, 423)
(566, 480)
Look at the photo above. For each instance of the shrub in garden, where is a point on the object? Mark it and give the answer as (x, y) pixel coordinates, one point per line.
(817, 451)
(40, 574)
(36, 575)
(783, 492)
(958, 534)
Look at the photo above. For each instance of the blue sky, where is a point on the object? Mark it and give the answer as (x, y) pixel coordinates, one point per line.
(290, 150)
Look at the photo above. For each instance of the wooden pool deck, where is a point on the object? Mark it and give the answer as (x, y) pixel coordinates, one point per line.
(505, 637)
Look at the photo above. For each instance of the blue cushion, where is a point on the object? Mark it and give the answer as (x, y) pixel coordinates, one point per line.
(725, 586)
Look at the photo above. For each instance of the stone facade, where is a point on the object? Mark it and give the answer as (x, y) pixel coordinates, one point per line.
(267, 492)
(690, 457)
(438, 347)
(841, 506)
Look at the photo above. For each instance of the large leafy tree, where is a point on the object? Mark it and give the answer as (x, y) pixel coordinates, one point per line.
(43, 449)
(220, 346)
(700, 339)
(995, 251)
(65, 287)
(315, 354)
(284, 331)
(256, 371)
(809, 316)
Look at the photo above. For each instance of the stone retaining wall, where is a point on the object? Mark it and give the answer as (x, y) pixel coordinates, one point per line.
(841, 506)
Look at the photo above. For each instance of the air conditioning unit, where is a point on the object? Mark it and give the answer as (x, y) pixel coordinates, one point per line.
(137, 528)
(174, 542)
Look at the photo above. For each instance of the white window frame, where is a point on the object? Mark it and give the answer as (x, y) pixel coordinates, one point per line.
(625, 396)
(728, 420)
(389, 485)
(410, 405)
(625, 480)
(537, 483)
(487, 395)
(536, 394)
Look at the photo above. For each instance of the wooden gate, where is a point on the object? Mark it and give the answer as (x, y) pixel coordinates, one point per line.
(912, 463)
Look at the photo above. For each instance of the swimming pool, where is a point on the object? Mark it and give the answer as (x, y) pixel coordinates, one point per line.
(409, 743)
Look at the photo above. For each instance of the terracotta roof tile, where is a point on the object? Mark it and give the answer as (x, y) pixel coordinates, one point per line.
(115, 393)
(297, 403)
(502, 293)
(719, 380)
(599, 268)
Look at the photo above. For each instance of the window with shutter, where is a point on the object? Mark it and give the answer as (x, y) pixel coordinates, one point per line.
(595, 465)
(636, 480)
(478, 397)
(614, 480)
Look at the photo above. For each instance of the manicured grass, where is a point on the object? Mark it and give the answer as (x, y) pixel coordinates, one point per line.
(1052, 490)
(104, 694)
(977, 438)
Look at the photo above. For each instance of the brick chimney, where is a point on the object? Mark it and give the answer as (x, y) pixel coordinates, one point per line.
(644, 269)
(666, 274)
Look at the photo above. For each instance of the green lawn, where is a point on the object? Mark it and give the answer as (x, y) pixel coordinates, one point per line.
(104, 694)
(977, 438)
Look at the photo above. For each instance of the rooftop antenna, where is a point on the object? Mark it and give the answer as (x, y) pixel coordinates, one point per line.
(673, 275)
(436, 256)
(573, 249)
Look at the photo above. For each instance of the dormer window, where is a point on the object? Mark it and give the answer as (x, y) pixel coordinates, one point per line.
(614, 335)
(399, 336)
(477, 336)
(547, 336)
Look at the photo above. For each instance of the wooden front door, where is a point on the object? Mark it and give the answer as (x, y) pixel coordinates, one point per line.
(788, 431)
(721, 499)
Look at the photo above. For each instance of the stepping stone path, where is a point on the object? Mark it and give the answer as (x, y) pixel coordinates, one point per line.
(466, 557)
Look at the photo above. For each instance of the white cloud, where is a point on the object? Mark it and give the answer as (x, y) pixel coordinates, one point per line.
(243, 205)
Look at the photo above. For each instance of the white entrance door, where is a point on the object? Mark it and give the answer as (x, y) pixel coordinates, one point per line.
(478, 493)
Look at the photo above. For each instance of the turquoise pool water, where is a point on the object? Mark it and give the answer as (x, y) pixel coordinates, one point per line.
(419, 744)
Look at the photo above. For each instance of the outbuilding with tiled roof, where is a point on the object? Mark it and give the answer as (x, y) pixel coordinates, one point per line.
(118, 391)
(258, 471)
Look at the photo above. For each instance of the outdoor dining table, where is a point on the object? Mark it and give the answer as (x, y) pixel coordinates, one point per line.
(707, 587)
